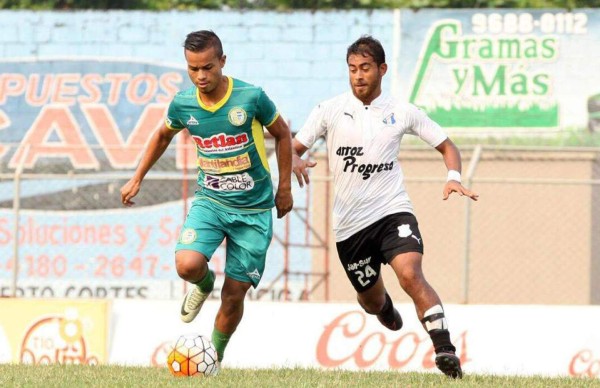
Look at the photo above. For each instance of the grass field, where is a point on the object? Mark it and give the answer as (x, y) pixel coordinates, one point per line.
(115, 376)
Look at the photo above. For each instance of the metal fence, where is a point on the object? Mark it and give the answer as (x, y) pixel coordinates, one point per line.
(531, 238)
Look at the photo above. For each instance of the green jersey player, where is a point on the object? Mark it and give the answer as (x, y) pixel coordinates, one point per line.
(233, 168)
(225, 117)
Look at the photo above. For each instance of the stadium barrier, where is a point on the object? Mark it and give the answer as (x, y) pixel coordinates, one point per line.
(530, 239)
(310, 335)
(56, 331)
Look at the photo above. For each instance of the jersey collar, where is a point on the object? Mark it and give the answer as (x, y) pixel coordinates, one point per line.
(380, 102)
(221, 102)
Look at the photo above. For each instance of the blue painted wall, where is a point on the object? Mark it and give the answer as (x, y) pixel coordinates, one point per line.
(298, 58)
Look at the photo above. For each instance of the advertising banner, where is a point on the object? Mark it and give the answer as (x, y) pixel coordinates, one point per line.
(509, 341)
(58, 331)
(503, 70)
(75, 239)
(99, 253)
(112, 253)
(85, 115)
(61, 107)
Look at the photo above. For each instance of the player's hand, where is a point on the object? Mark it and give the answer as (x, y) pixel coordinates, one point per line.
(283, 202)
(456, 187)
(300, 169)
(128, 191)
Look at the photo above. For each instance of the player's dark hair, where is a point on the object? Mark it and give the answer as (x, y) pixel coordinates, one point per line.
(198, 41)
(367, 45)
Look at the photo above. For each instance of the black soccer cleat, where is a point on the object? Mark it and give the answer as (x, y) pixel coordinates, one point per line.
(394, 324)
(449, 364)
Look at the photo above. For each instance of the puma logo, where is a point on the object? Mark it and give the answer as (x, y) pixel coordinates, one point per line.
(416, 238)
(348, 114)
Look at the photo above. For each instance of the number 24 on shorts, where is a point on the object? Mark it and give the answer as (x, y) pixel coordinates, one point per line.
(363, 276)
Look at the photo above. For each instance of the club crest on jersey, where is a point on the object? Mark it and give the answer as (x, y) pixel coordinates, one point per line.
(404, 230)
(390, 119)
(187, 236)
(237, 116)
(192, 121)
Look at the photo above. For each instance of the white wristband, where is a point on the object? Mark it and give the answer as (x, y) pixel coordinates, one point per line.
(453, 175)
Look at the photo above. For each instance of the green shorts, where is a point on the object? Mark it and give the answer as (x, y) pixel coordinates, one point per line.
(248, 237)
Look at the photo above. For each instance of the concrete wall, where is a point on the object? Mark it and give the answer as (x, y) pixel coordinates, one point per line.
(298, 58)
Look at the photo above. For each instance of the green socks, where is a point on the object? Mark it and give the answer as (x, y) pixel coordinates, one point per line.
(220, 341)
(207, 283)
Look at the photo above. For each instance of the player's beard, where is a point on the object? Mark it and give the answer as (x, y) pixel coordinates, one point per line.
(367, 91)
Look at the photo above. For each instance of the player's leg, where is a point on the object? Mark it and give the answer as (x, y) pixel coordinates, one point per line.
(230, 313)
(376, 301)
(248, 239)
(193, 267)
(402, 247)
(199, 238)
(408, 269)
(362, 265)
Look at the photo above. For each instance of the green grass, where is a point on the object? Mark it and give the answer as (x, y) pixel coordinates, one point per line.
(117, 376)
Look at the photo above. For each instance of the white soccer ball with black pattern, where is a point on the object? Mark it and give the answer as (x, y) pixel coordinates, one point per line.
(193, 355)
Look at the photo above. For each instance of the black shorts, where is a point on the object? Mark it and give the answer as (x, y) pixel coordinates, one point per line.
(363, 253)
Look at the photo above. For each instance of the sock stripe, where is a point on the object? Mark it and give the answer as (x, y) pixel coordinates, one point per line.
(432, 317)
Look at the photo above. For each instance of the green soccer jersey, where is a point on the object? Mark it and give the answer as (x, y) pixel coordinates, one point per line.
(232, 161)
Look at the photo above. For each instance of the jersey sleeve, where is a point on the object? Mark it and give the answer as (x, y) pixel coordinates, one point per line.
(266, 111)
(419, 124)
(172, 120)
(314, 127)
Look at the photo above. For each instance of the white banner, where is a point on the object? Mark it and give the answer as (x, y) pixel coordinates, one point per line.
(506, 340)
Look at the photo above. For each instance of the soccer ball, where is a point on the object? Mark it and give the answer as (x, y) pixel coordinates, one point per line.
(193, 355)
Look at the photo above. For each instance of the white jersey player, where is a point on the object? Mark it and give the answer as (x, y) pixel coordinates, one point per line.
(373, 217)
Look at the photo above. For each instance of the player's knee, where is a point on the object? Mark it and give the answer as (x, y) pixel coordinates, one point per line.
(231, 301)
(186, 271)
(187, 268)
(410, 277)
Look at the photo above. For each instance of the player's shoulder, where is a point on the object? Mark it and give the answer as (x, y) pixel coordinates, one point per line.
(391, 100)
(185, 94)
(402, 107)
(335, 103)
(245, 88)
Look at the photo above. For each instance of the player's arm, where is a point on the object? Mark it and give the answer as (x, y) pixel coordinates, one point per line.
(283, 149)
(314, 128)
(156, 147)
(453, 163)
(300, 166)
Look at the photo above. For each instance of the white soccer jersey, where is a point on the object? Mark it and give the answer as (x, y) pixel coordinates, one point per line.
(363, 143)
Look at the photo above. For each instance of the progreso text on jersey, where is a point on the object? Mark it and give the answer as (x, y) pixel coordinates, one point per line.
(366, 169)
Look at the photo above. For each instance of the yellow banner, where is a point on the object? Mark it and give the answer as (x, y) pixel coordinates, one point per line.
(38, 331)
